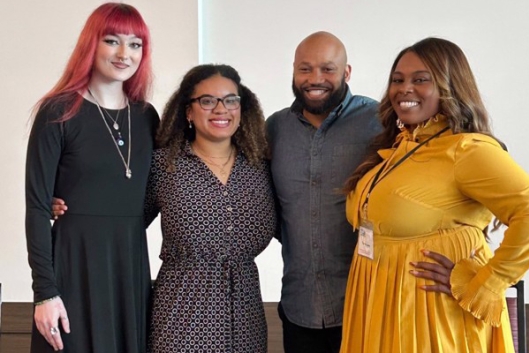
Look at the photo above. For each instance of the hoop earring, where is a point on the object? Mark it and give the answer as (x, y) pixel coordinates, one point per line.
(400, 124)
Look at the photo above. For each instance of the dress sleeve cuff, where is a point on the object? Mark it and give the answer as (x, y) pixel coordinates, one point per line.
(478, 291)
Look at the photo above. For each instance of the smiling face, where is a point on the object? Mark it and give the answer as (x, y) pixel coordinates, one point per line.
(117, 58)
(412, 92)
(220, 123)
(320, 73)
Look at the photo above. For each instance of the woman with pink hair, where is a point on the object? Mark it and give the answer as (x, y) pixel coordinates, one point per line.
(91, 144)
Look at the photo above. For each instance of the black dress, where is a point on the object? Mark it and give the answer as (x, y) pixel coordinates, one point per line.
(207, 297)
(95, 257)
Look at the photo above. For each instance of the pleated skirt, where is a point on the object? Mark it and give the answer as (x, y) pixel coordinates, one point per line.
(386, 311)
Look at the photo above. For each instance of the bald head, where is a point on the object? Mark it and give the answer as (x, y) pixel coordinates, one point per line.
(321, 46)
(320, 75)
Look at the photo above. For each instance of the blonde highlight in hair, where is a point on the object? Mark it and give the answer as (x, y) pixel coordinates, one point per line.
(174, 130)
(460, 100)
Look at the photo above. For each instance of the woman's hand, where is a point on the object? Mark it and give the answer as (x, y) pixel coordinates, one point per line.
(58, 207)
(438, 272)
(47, 317)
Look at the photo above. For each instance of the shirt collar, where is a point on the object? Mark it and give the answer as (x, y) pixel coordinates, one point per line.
(424, 130)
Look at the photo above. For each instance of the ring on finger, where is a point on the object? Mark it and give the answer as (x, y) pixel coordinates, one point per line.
(54, 330)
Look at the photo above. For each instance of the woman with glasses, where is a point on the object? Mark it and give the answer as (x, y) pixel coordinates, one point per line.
(211, 184)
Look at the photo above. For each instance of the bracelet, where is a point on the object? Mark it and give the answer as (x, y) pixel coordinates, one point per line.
(46, 300)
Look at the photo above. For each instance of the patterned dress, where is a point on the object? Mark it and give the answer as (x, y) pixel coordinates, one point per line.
(207, 296)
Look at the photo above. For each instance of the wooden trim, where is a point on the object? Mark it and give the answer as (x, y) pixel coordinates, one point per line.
(275, 328)
(16, 322)
(17, 317)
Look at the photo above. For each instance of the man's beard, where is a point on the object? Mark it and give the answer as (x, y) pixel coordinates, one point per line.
(324, 106)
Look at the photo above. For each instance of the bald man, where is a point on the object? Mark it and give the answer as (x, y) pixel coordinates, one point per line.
(316, 144)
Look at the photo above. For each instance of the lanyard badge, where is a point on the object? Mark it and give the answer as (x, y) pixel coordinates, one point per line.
(365, 231)
(365, 240)
(365, 235)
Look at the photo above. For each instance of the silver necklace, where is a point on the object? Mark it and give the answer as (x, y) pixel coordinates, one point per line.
(115, 124)
(128, 172)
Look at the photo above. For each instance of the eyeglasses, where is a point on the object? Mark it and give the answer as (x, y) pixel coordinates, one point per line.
(209, 102)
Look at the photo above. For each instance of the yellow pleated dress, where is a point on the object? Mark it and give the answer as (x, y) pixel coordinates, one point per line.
(438, 199)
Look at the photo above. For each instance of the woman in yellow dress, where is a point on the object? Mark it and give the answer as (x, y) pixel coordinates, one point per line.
(423, 278)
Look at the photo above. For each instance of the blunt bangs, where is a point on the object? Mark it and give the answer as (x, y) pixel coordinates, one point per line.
(124, 19)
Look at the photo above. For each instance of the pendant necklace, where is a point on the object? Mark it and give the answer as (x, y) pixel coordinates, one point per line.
(115, 125)
(119, 141)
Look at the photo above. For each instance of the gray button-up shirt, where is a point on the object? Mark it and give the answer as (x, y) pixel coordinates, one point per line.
(309, 169)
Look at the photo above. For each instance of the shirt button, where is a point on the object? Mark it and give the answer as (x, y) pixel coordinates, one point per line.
(315, 245)
(225, 193)
(230, 227)
(229, 208)
(223, 257)
(313, 183)
(314, 213)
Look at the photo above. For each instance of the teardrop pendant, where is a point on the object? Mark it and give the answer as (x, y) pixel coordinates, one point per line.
(128, 174)
(115, 126)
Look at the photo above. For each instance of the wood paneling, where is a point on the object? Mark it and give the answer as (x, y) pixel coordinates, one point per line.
(16, 317)
(16, 327)
(275, 328)
(15, 342)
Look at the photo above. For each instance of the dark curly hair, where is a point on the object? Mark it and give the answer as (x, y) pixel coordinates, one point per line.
(174, 131)
(459, 97)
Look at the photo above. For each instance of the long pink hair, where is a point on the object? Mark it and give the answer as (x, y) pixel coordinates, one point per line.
(109, 18)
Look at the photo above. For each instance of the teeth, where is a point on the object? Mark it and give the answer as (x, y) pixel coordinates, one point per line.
(220, 122)
(316, 92)
(408, 104)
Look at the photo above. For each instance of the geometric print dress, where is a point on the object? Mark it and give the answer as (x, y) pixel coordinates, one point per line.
(207, 296)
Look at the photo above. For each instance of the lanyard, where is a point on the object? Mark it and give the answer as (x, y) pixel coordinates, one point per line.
(377, 178)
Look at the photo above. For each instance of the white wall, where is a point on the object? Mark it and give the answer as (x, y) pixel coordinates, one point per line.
(258, 38)
(37, 39)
